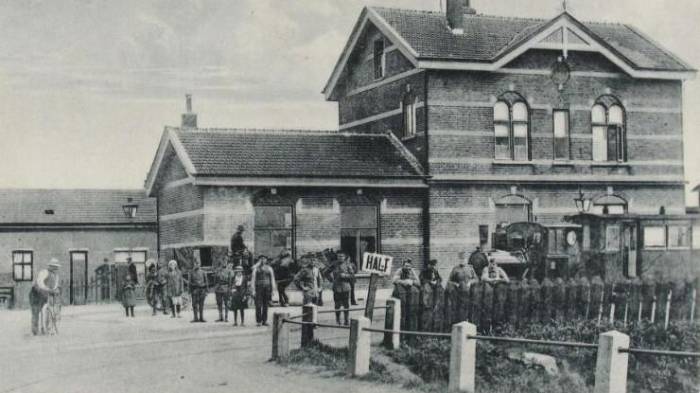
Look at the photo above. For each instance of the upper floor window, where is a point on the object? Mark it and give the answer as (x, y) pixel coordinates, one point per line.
(561, 134)
(511, 128)
(408, 106)
(379, 59)
(608, 128)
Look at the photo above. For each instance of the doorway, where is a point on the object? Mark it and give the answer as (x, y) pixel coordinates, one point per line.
(78, 277)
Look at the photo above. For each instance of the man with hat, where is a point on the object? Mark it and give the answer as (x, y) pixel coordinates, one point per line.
(430, 275)
(305, 280)
(478, 260)
(463, 275)
(45, 284)
(238, 247)
(131, 270)
(283, 275)
(342, 274)
(263, 284)
(406, 276)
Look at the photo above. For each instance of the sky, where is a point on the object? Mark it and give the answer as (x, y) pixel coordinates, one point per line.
(87, 86)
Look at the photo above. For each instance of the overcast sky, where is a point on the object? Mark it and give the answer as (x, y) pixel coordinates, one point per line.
(86, 86)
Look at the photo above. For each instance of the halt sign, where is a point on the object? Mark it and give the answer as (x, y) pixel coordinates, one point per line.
(376, 263)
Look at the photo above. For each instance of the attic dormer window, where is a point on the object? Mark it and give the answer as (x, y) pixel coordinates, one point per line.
(379, 59)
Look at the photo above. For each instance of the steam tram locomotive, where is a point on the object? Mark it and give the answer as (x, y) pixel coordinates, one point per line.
(532, 250)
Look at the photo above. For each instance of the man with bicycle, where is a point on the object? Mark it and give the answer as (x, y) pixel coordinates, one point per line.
(45, 285)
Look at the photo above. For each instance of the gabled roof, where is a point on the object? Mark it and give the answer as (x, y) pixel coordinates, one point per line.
(425, 38)
(74, 206)
(246, 153)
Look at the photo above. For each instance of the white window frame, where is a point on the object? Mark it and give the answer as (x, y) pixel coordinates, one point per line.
(600, 129)
(378, 73)
(408, 112)
(511, 124)
(668, 236)
(664, 237)
(24, 265)
(566, 134)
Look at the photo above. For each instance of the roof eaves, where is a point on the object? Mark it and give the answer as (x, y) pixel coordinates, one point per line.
(405, 153)
(169, 137)
(662, 48)
(368, 14)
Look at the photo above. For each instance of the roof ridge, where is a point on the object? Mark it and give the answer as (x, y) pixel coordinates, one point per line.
(442, 13)
(273, 131)
(72, 189)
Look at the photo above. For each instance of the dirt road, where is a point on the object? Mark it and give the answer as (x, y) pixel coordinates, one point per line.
(99, 350)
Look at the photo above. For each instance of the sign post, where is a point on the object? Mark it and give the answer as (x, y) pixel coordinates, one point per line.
(377, 265)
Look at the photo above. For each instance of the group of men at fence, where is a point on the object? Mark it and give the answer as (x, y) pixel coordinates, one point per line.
(478, 266)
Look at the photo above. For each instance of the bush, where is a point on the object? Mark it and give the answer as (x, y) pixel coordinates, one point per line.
(429, 358)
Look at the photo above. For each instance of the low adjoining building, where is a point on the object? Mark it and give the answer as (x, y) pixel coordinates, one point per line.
(81, 228)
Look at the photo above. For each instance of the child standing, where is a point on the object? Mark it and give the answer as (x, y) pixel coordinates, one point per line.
(239, 295)
(129, 295)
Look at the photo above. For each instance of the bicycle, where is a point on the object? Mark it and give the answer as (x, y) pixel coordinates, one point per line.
(51, 315)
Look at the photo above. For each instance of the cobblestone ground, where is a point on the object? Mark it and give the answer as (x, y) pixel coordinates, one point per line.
(100, 350)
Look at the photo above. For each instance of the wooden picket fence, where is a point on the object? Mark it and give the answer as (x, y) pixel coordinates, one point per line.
(520, 302)
(94, 291)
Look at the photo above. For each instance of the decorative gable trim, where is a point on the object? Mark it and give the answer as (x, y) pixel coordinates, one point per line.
(541, 39)
(368, 15)
(169, 138)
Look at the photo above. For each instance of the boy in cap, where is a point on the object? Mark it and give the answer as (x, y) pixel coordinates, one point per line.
(223, 278)
(175, 288)
(239, 295)
(45, 284)
(199, 287)
(306, 281)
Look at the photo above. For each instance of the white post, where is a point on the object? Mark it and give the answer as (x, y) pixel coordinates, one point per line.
(462, 358)
(392, 322)
(359, 347)
(611, 364)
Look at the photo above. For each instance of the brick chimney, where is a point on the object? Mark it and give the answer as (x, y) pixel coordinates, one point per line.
(456, 9)
(189, 119)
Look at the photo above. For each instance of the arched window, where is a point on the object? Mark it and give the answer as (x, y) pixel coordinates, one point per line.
(513, 208)
(408, 107)
(511, 118)
(608, 129)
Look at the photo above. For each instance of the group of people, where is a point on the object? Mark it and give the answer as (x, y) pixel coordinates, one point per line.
(478, 266)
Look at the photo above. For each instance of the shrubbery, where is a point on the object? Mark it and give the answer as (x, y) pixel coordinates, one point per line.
(495, 372)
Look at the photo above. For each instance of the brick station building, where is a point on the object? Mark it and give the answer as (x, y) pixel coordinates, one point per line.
(449, 125)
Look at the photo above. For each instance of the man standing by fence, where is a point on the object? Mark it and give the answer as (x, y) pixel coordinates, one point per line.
(263, 286)
(45, 285)
(306, 281)
(342, 275)
(463, 275)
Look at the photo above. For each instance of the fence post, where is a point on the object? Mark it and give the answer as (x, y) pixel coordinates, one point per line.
(280, 337)
(309, 314)
(462, 358)
(392, 321)
(611, 364)
(359, 346)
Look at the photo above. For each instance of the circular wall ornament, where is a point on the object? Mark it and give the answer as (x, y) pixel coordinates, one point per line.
(561, 72)
(571, 238)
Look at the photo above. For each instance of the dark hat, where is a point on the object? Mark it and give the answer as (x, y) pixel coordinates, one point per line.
(433, 262)
(261, 257)
(240, 228)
